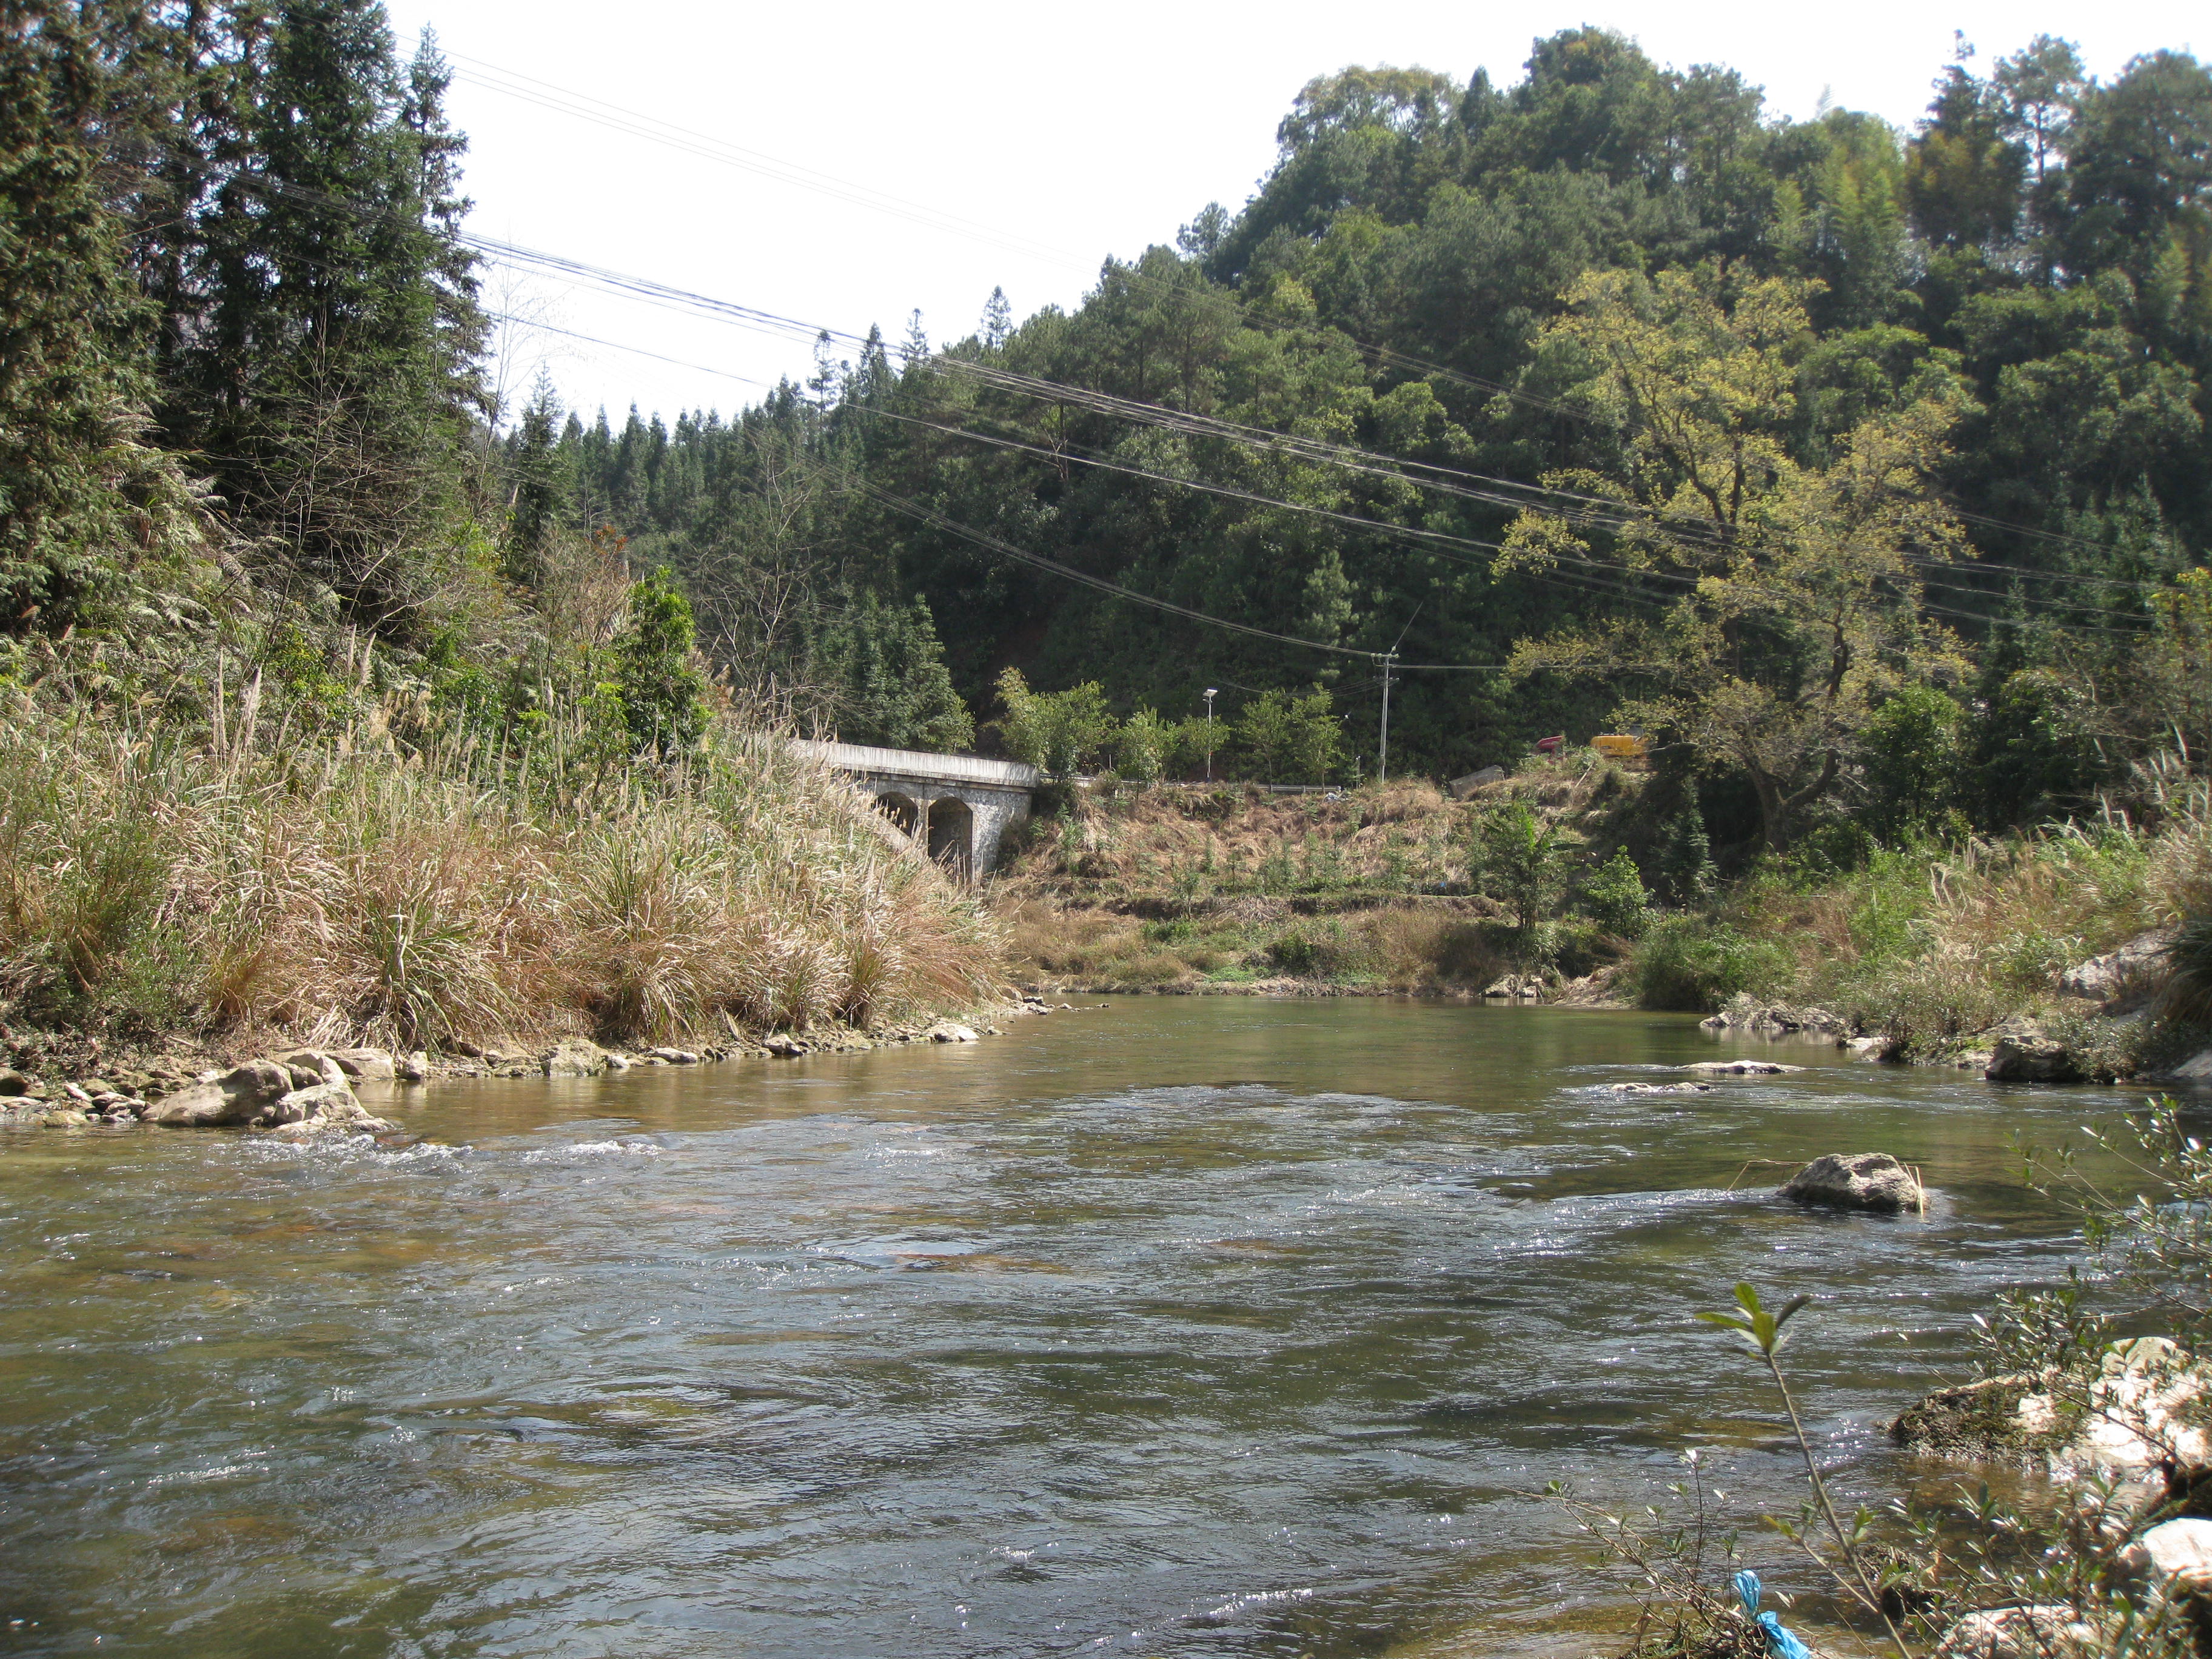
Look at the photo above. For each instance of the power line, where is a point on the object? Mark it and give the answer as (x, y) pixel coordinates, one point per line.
(1591, 510)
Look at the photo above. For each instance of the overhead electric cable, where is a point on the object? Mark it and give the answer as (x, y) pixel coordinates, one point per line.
(1586, 509)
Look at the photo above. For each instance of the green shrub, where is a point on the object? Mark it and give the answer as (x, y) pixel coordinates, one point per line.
(1319, 951)
(1688, 963)
(1615, 898)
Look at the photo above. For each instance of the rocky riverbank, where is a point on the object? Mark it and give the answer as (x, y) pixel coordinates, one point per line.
(53, 1081)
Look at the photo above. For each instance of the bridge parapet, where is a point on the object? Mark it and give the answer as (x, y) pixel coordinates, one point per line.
(956, 807)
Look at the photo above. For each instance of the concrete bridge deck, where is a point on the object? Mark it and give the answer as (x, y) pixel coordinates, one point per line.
(958, 808)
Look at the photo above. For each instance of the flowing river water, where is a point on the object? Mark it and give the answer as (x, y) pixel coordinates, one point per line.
(1181, 1325)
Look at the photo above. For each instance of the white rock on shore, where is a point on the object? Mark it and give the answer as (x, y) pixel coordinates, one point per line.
(2176, 1555)
(2034, 1633)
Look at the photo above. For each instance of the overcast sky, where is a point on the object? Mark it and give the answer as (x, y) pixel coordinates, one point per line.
(891, 157)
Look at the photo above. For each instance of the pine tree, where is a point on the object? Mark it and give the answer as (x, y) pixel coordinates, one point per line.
(883, 669)
(915, 349)
(662, 692)
(80, 496)
(998, 319)
(540, 491)
(324, 309)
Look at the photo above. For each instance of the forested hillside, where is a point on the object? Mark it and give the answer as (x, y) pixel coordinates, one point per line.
(1923, 411)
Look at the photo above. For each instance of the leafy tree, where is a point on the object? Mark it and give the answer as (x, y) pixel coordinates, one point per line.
(1614, 896)
(1963, 173)
(1910, 761)
(1786, 589)
(1061, 731)
(881, 671)
(1141, 749)
(1283, 738)
(656, 675)
(1519, 862)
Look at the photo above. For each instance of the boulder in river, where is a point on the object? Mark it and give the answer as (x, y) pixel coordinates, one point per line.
(13, 1082)
(1740, 1068)
(1856, 1181)
(238, 1096)
(947, 1030)
(413, 1067)
(2024, 1053)
(311, 1067)
(1659, 1088)
(575, 1057)
(303, 1104)
(2143, 1408)
(336, 1117)
(1524, 987)
(675, 1056)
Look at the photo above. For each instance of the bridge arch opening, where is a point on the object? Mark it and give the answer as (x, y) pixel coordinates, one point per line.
(902, 809)
(952, 836)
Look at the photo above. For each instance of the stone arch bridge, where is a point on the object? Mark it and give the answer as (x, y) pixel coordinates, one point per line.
(955, 807)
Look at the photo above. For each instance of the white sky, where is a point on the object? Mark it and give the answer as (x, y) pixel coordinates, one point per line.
(1060, 134)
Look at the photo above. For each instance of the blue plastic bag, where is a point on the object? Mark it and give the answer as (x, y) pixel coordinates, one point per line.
(1779, 1642)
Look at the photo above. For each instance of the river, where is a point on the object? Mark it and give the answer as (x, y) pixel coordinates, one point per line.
(1181, 1325)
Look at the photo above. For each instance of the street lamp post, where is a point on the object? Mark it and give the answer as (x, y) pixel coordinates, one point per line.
(1212, 692)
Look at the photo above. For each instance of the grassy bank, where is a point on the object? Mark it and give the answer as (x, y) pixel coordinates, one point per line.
(1192, 889)
(190, 878)
(1934, 946)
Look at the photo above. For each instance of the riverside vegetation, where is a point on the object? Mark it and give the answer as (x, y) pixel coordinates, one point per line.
(300, 738)
(1570, 875)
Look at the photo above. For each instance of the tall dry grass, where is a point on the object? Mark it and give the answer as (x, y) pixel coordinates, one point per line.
(149, 882)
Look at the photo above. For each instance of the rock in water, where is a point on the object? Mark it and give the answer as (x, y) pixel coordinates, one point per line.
(2024, 1054)
(237, 1096)
(1740, 1068)
(1861, 1181)
(412, 1068)
(2145, 1407)
(13, 1082)
(310, 1067)
(303, 1104)
(947, 1032)
(1516, 987)
(575, 1057)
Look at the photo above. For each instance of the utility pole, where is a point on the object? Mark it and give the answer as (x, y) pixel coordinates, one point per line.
(1383, 756)
(1212, 692)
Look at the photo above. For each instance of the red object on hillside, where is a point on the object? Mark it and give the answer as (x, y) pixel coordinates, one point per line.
(1551, 745)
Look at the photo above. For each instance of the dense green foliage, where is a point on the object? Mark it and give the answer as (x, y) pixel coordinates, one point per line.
(2015, 298)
